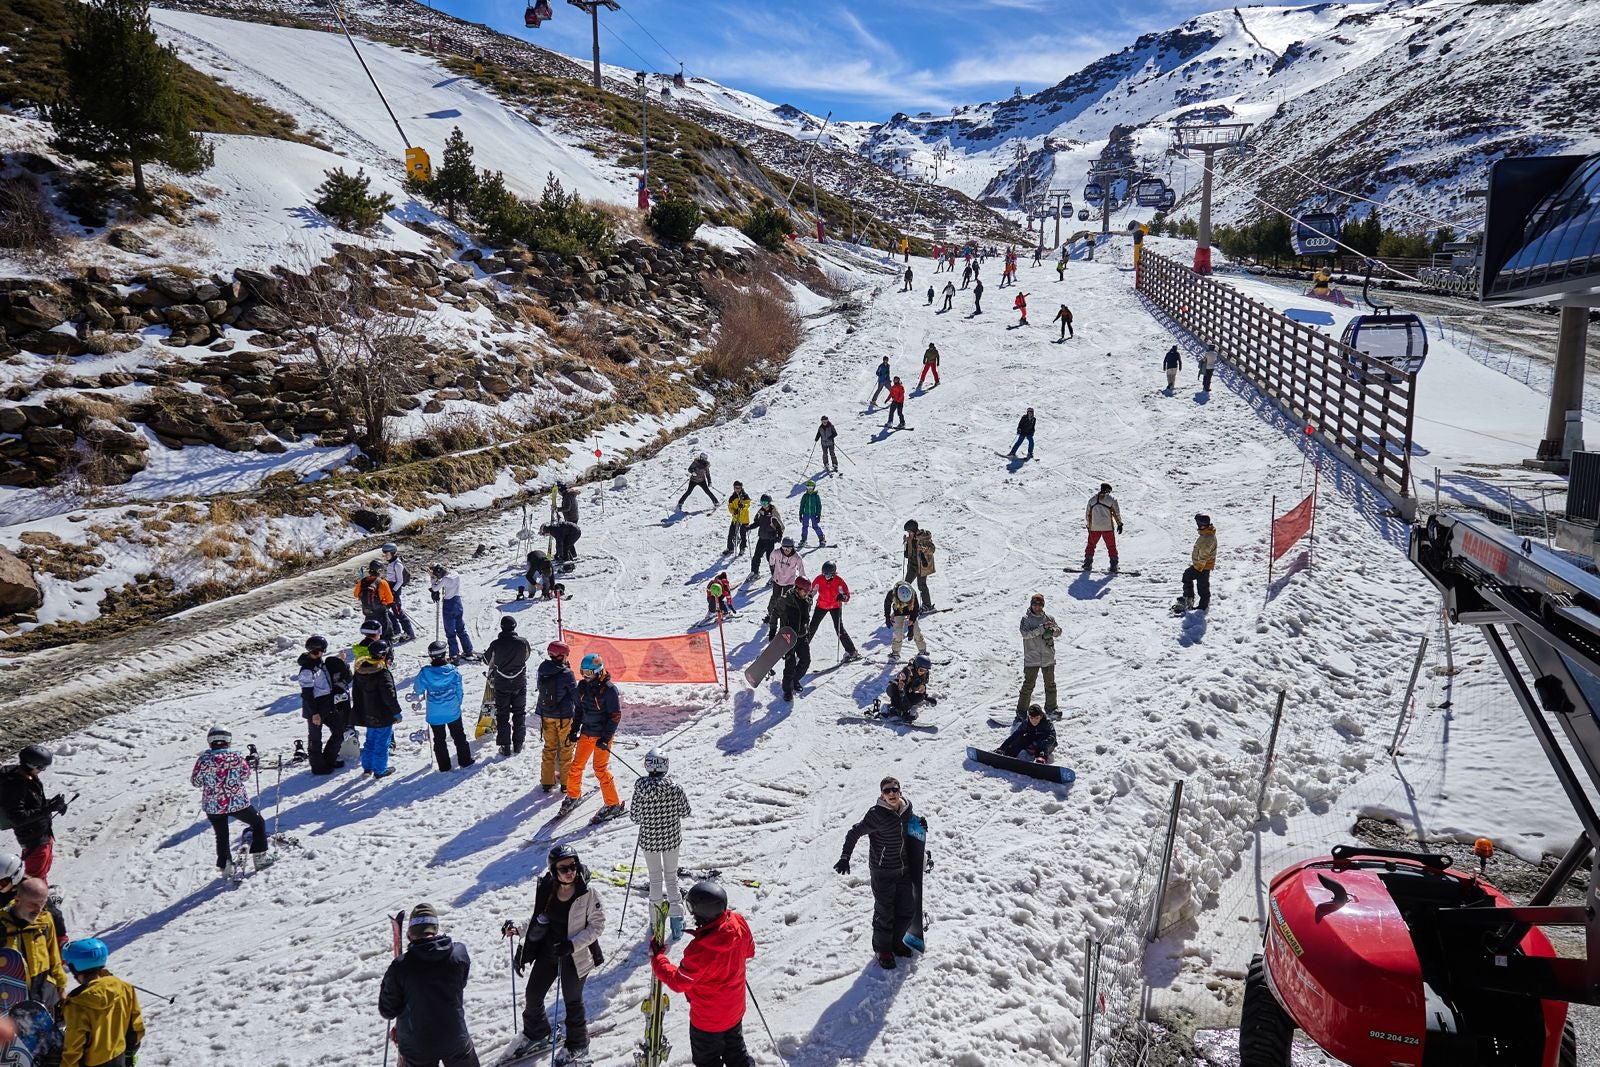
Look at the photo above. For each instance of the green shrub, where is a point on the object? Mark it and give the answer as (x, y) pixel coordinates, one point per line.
(675, 219)
(347, 200)
(498, 211)
(767, 226)
(561, 222)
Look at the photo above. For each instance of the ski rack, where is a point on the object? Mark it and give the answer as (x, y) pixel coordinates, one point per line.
(1512, 588)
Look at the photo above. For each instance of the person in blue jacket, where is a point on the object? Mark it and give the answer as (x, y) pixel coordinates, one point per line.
(441, 681)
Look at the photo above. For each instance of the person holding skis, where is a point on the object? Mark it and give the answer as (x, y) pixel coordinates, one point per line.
(787, 565)
(883, 383)
(949, 296)
(223, 777)
(712, 976)
(827, 435)
(565, 535)
(811, 515)
(1103, 519)
(894, 899)
(567, 508)
(561, 940)
(376, 598)
(769, 528)
(29, 814)
(1039, 633)
(27, 926)
(395, 573)
(325, 683)
(977, 294)
(541, 575)
(910, 688)
(699, 478)
(832, 595)
(1202, 560)
(917, 549)
(1032, 737)
(930, 364)
(100, 1020)
(507, 660)
(446, 590)
(1024, 433)
(738, 518)
(441, 681)
(1172, 363)
(597, 709)
(794, 612)
(900, 611)
(659, 807)
(1020, 305)
(719, 596)
(1064, 317)
(1208, 366)
(424, 992)
(376, 708)
(558, 694)
(897, 404)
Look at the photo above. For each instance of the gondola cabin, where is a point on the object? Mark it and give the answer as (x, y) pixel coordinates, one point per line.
(537, 12)
(1316, 234)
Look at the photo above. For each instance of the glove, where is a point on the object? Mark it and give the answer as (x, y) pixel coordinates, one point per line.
(253, 760)
(932, 702)
(844, 598)
(563, 948)
(58, 803)
(604, 744)
(1119, 527)
(843, 866)
(656, 947)
(572, 738)
(435, 594)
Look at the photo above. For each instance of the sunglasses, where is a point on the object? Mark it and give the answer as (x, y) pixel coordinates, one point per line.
(566, 868)
(893, 790)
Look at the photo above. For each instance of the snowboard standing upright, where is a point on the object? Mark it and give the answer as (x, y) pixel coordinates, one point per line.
(916, 861)
(653, 1050)
(776, 649)
(486, 714)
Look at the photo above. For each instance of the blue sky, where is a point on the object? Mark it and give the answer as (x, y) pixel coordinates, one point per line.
(862, 61)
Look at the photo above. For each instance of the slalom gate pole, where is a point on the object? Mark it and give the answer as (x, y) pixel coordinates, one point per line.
(1272, 538)
(559, 629)
(1311, 544)
(723, 640)
(153, 993)
(763, 1017)
(627, 893)
(277, 797)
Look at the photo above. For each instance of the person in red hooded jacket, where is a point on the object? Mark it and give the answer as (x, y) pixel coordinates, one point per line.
(712, 977)
(832, 595)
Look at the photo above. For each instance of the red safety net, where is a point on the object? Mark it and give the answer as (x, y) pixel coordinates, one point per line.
(648, 660)
(1292, 525)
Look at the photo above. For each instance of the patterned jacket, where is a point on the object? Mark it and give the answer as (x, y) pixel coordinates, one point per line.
(222, 775)
(659, 807)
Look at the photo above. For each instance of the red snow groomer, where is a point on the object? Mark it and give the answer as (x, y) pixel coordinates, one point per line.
(1393, 959)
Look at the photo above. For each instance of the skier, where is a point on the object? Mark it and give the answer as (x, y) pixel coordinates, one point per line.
(1202, 560)
(966, 275)
(424, 992)
(1208, 365)
(795, 613)
(1103, 518)
(883, 383)
(738, 518)
(949, 295)
(930, 364)
(541, 574)
(27, 926)
(828, 434)
(699, 477)
(1020, 305)
(223, 777)
(568, 506)
(832, 595)
(1172, 363)
(910, 688)
(917, 549)
(371, 631)
(558, 694)
(1061, 267)
(1024, 433)
(561, 940)
(659, 807)
(1064, 317)
(893, 892)
(712, 976)
(1032, 738)
(811, 515)
(446, 589)
(100, 1019)
(977, 295)
(376, 707)
(930, 296)
(565, 534)
(897, 404)
(395, 573)
(1038, 255)
(1039, 633)
(769, 528)
(719, 596)
(900, 611)
(787, 565)
(907, 287)
(325, 683)
(597, 709)
(442, 682)
(376, 598)
(29, 814)
(507, 660)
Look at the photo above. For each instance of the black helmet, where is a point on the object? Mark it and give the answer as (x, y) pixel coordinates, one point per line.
(921, 662)
(911, 526)
(438, 650)
(1202, 520)
(559, 853)
(316, 643)
(829, 569)
(35, 758)
(375, 567)
(707, 901)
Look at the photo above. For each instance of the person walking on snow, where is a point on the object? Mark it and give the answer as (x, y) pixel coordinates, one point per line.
(446, 590)
(442, 682)
(1039, 633)
(897, 404)
(1208, 365)
(917, 550)
(30, 815)
(223, 777)
(561, 942)
(787, 565)
(659, 807)
(966, 275)
(930, 364)
(930, 296)
(1024, 433)
(325, 683)
(794, 612)
(424, 992)
(900, 611)
(977, 296)
(832, 595)
(1038, 255)
(1020, 304)
(906, 288)
(597, 710)
(1172, 363)
(1032, 738)
(395, 573)
(827, 434)
(769, 528)
(100, 1020)
(699, 477)
(376, 707)
(738, 519)
(949, 295)
(1064, 317)
(376, 598)
(557, 700)
(883, 383)
(507, 661)
(1202, 560)
(894, 899)
(1103, 518)
(811, 515)
(712, 977)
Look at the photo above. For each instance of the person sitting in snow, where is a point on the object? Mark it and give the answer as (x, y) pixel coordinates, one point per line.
(910, 688)
(1033, 740)
(719, 596)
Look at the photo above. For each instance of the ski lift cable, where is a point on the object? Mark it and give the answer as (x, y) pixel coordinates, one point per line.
(625, 44)
(664, 50)
(1357, 196)
(359, 58)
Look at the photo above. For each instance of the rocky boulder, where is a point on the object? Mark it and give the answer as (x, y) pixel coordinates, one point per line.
(18, 590)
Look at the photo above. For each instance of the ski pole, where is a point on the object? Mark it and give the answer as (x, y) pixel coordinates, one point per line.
(627, 893)
(255, 765)
(763, 1017)
(809, 454)
(153, 993)
(508, 929)
(277, 798)
(624, 762)
(437, 608)
(845, 454)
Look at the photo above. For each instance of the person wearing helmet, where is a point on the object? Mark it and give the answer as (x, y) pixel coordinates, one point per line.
(1039, 633)
(507, 661)
(222, 774)
(887, 826)
(795, 614)
(769, 528)
(1202, 560)
(719, 596)
(558, 694)
(325, 683)
(827, 436)
(832, 594)
(900, 611)
(738, 519)
(424, 991)
(883, 383)
(1032, 738)
(917, 549)
(1103, 518)
(561, 940)
(712, 976)
(597, 709)
(100, 1019)
(659, 807)
(811, 515)
(909, 688)
(787, 565)
(441, 681)
(376, 707)
(395, 573)
(445, 587)
(371, 630)
(565, 536)
(375, 597)
(540, 576)
(699, 477)
(30, 815)
(10, 877)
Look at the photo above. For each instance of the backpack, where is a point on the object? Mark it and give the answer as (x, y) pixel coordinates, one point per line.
(925, 550)
(371, 603)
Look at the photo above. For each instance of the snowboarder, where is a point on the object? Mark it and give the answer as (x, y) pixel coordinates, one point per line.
(910, 688)
(27, 926)
(930, 364)
(376, 707)
(930, 296)
(1064, 317)
(1103, 518)
(424, 993)
(897, 403)
(787, 565)
(827, 435)
(719, 596)
(1032, 738)
(558, 694)
(769, 528)
(699, 477)
(659, 807)
(376, 598)
(325, 683)
(223, 777)
(1061, 267)
(442, 682)
(738, 518)
(30, 815)
(1020, 305)
(883, 383)
(597, 709)
(900, 611)
(977, 295)
(568, 506)
(893, 893)
(1039, 633)
(446, 590)
(1202, 560)
(1024, 433)
(712, 976)
(907, 287)
(832, 595)
(100, 1019)
(561, 941)
(811, 515)
(565, 535)
(794, 612)
(395, 573)
(1172, 363)
(507, 661)
(917, 549)
(1208, 365)
(949, 295)
(541, 574)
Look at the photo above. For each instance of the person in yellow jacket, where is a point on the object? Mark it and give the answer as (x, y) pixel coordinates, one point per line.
(27, 926)
(1197, 576)
(739, 518)
(103, 1024)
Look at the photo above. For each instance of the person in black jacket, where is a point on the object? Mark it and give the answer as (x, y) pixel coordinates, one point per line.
(558, 691)
(23, 801)
(507, 659)
(565, 534)
(541, 575)
(376, 707)
(423, 991)
(561, 942)
(1032, 740)
(769, 529)
(893, 892)
(699, 476)
(795, 614)
(325, 683)
(1024, 433)
(569, 502)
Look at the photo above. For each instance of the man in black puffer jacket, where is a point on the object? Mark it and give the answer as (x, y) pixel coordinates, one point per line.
(325, 684)
(423, 992)
(894, 900)
(507, 659)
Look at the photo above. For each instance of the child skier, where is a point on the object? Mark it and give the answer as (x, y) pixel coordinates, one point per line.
(223, 776)
(712, 976)
(442, 682)
(101, 1019)
(659, 807)
(597, 711)
(811, 515)
(719, 596)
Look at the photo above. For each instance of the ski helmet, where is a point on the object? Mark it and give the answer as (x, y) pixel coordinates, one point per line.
(911, 526)
(707, 901)
(1202, 520)
(372, 628)
(766, 498)
(829, 569)
(35, 758)
(391, 549)
(316, 643)
(10, 868)
(437, 570)
(375, 567)
(592, 662)
(438, 650)
(562, 852)
(85, 954)
(557, 650)
(921, 661)
(787, 544)
(802, 585)
(655, 762)
(811, 483)
(219, 737)
(507, 624)
(378, 649)
(903, 593)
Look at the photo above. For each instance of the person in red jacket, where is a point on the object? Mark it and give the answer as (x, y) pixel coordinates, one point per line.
(897, 403)
(1021, 305)
(712, 977)
(832, 595)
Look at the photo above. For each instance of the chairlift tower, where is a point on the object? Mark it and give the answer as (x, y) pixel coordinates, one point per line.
(1108, 171)
(1207, 139)
(593, 8)
(1060, 196)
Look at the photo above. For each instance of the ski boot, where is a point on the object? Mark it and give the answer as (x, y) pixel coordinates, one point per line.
(567, 804)
(1088, 562)
(527, 1048)
(609, 812)
(576, 1057)
(675, 922)
(300, 755)
(262, 860)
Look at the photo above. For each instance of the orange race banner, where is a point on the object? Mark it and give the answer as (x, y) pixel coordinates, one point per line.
(1291, 526)
(681, 658)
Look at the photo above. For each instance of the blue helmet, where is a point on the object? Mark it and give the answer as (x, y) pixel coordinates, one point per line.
(85, 954)
(591, 662)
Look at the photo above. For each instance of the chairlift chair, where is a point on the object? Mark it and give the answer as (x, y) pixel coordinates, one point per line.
(1400, 340)
(1316, 233)
(537, 12)
(1149, 192)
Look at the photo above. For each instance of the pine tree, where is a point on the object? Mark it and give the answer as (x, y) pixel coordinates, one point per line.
(121, 100)
(455, 181)
(347, 199)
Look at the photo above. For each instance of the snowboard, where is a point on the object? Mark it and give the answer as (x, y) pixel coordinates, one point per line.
(1048, 772)
(13, 979)
(916, 860)
(486, 719)
(775, 651)
(1109, 574)
(872, 714)
(38, 1039)
(653, 1050)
